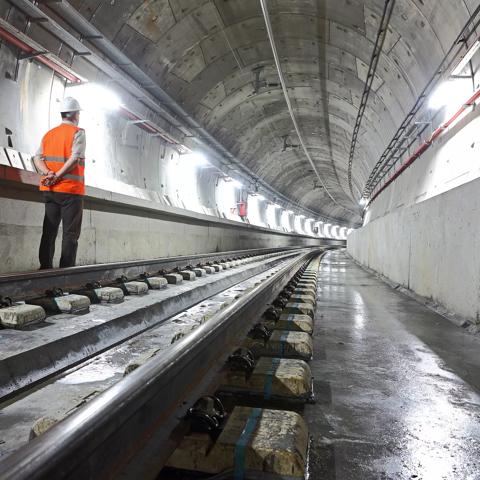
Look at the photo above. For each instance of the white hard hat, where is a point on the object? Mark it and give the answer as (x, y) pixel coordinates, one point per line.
(70, 104)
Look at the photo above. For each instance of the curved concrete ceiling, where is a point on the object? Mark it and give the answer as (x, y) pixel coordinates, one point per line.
(204, 54)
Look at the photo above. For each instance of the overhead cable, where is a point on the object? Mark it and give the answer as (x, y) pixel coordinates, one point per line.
(268, 25)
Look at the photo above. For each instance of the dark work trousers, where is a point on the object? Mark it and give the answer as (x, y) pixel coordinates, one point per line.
(67, 208)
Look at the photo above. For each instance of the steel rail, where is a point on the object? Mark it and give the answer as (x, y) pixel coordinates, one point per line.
(39, 361)
(130, 430)
(25, 285)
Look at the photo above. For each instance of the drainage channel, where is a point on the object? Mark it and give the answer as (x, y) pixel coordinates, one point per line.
(112, 416)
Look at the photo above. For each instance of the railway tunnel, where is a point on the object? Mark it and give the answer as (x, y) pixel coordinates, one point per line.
(277, 273)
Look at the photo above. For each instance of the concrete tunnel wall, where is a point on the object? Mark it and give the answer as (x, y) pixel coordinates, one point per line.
(122, 231)
(127, 161)
(120, 157)
(423, 231)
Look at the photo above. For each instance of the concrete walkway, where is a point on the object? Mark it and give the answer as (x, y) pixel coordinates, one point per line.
(397, 385)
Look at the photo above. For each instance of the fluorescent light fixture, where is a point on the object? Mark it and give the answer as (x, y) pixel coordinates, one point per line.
(467, 57)
(197, 158)
(95, 96)
(235, 183)
(451, 94)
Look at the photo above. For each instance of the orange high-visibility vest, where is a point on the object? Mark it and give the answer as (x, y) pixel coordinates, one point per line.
(57, 149)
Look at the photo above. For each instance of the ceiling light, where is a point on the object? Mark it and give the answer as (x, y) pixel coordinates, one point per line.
(197, 158)
(450, 94)
(234, 182)
(258, 196)
(95, 96)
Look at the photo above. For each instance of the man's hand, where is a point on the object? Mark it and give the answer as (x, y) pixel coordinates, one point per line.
(50, 179)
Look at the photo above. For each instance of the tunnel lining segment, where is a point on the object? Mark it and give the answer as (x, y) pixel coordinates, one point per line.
(276, 57)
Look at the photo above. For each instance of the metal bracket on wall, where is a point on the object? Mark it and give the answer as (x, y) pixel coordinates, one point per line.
(37, 19)
(31, 55)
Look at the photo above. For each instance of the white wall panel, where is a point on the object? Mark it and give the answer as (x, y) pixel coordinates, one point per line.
(430, 247)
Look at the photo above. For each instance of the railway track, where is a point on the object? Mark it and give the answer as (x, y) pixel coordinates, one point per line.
(19, 286)
(119, 408)
(63, 339)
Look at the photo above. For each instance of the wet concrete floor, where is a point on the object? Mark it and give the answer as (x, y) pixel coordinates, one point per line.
(397, 385)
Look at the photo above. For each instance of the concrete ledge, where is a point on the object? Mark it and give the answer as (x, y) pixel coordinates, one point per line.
(276, 447)
(295, 323)
(173, 278)
(19, 316)
(188, 275)
(25, 180)
(109, 294)
(120, 228)
(271, 378)
(157, 283)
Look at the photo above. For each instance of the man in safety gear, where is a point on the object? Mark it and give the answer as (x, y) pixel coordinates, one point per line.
(61, 161)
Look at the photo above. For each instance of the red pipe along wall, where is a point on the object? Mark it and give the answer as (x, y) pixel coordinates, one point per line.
(426, 145)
